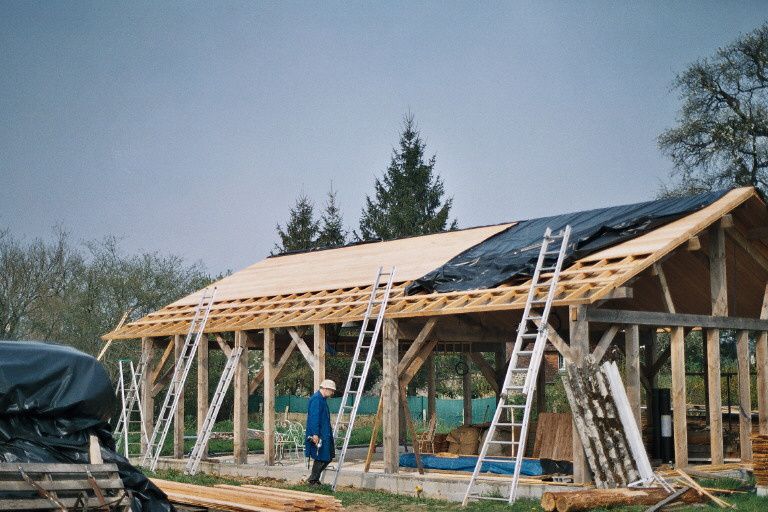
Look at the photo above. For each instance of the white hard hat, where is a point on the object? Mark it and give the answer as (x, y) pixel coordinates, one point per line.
(328, 384)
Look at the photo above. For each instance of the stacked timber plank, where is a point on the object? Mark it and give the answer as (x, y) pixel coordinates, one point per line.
(247, 498)
(760, 462)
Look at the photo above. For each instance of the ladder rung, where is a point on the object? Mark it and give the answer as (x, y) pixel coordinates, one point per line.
(525, 352)
(494, 441)
(530, 335)
(519, 370)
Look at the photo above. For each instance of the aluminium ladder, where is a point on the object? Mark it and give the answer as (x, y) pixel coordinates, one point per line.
(180, 372)
(366, 345)
(130, 401)
(213, 411)
(520, 381)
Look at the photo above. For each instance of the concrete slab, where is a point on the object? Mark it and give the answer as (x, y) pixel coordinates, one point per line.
(442, 485)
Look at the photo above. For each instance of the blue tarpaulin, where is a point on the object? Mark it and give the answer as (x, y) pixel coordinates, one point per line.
(531, 467)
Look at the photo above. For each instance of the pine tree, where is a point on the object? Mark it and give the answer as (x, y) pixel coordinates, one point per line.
(409, 197)
(332, 232)
(301, 230)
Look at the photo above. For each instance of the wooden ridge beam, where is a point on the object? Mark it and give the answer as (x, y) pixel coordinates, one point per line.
(659, 319)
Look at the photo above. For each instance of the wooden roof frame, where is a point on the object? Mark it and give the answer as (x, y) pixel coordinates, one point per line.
(589, 280)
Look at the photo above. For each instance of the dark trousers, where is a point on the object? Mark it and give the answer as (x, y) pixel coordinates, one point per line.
(318, 466)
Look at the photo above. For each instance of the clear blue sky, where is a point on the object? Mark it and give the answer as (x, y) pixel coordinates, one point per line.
(191, 127)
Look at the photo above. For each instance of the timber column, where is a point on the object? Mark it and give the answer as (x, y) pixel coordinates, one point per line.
(319, 350)
(148, 398)
(390, 397)
(719, 296)
(269, 397)
(579, 334)
(202, 388)
(240, 415)
(679, 401)
(178, 417)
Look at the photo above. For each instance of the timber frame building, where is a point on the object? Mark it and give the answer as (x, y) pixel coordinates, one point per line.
(707, 270)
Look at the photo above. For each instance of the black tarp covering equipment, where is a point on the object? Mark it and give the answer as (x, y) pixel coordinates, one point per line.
(513, 252)
(52, 398)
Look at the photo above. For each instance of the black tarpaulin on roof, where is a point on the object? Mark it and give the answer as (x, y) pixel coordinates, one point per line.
(513, 252)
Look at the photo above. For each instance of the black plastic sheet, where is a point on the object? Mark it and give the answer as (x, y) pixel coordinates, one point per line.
(513, 252)
(52, 399)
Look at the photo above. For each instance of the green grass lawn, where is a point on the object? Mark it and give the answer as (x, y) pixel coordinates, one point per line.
(360, 500)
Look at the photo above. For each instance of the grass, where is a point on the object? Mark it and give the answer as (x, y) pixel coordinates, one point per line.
(362, 500)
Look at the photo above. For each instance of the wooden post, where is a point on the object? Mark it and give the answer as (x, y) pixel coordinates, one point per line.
(715, 396)
(466, 387)
(147, 398)
(579, 334)
(541, 386)
(269, 397)
(319, 351)
(431, 387)
(178, 417)
(761, 356)
(679, 404)
(761, 350)
(719, 298)
(648, 339)
(202, 387)
(390, 396)
(745, 396)
(632, 364)
(240, 413)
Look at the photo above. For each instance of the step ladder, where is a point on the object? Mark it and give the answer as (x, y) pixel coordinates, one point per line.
(180, 372)
(129, 426)
(213, 411)
(518, 390)
(361, 363)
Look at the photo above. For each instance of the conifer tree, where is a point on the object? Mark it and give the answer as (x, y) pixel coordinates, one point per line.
(408, 199)
(332, 232)
(301, 230)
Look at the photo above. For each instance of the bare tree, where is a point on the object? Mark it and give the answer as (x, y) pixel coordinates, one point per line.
(721, 137)
(32, 276)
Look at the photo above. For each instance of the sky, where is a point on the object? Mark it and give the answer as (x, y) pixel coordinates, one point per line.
(191, 127)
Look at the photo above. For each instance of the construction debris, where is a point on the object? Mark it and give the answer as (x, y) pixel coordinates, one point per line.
(573, 501)
(247, 498)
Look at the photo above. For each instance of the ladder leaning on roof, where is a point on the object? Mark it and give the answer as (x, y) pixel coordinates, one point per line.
(366, 345)
(213, 411)
(130, 402)
(180, 372)
(520, 380)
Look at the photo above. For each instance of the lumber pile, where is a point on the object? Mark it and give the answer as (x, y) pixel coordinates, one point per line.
(574, 501)
(247, 498)
(760, 459)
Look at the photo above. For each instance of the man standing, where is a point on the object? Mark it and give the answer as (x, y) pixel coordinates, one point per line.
(319, 441)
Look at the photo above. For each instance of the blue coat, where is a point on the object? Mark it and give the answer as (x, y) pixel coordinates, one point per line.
(319, 424)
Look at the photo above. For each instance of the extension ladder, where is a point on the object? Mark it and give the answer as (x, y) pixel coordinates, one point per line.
(366, 345)
(520, 381)
(130, 400)
(213, 411)
(180, 372)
